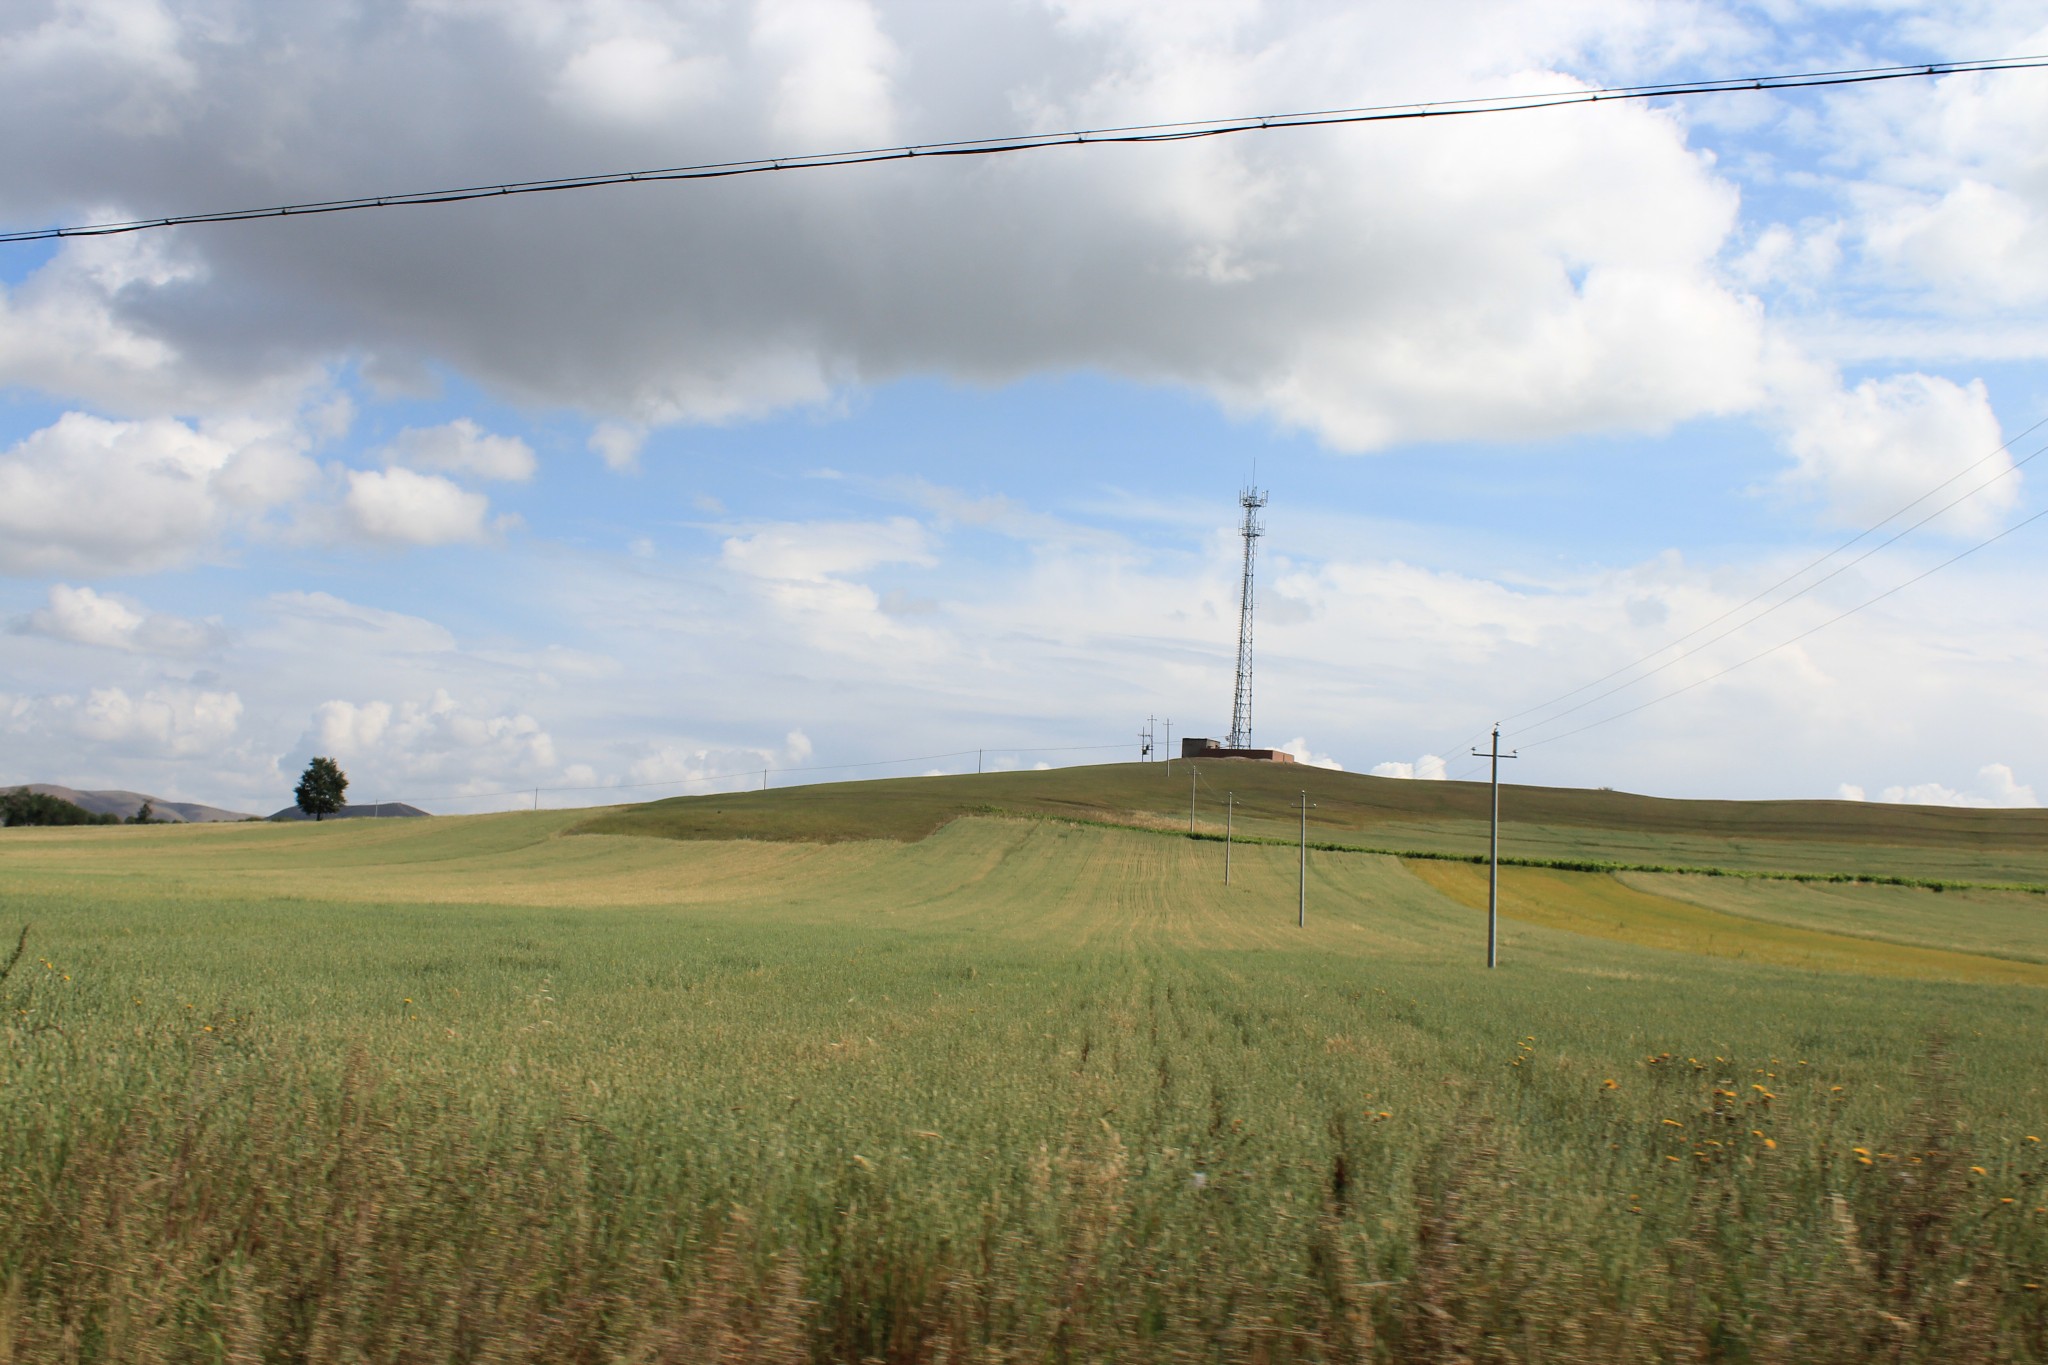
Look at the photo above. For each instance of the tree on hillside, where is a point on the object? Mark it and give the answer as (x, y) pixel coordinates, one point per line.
(145, 816)
(320, 790)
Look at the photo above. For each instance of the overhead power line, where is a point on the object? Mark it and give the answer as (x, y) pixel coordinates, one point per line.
(1131, 134)
(1868, 531)
(1804, 634)
(1787, 600)
(1797, 574)
(750, 773)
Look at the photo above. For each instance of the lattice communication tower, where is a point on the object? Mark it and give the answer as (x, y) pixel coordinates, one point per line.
(1251, 499)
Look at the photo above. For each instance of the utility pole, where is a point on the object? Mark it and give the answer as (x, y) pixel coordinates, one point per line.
(1229, 809)
(1493, 855)
(977, 760)
(1193, 773)
(536, 798)
(1169, 745)
(1301, 914)
(764, 779)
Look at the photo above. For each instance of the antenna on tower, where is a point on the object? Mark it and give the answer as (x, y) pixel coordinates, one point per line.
(1251, 499)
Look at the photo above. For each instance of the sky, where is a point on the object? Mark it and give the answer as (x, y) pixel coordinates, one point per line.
(636, 491)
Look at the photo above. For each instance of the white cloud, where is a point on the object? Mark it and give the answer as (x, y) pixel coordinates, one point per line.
(831, 67)
(401, 507)
(89, 496)
(85, 617)
(437, 739)
(1298, 746)
(804, 570)
(618, 445)
(323, 623)
(1801, 259)
(1999, 787)
(812, 552)
(170, 721)
(1952, 197)
(636, 78)
(1868, 451)
(1849, 791)
(462, 447)
(78, 329)
(1428, 768)
(708, 768)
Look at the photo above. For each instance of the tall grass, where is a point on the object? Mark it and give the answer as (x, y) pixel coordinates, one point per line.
(1018, 1093)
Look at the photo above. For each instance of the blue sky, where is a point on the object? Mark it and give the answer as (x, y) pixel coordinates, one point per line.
(644, 486)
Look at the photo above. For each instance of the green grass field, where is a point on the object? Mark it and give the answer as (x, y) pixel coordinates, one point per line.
(958, 1069)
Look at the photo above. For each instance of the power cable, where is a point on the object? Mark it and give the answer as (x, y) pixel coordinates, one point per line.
(1992, 540)
(1759, 596)
(1132, 134)
(1785, 601)
(1802, 571)
(753, 772)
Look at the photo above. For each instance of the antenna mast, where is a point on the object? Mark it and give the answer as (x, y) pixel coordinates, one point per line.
(1251, 499)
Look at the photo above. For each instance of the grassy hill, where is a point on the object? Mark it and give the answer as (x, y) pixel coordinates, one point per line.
(1387, 814)
(124, 804)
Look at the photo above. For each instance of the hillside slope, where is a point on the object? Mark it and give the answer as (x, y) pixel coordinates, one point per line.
(1385, 813)
(123, 805)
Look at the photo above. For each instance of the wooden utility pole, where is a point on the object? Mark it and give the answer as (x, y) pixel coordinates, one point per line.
(1493, 855)
(1301, 911)
(1229, 804)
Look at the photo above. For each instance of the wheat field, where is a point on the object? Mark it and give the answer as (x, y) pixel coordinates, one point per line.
(1015, 1086)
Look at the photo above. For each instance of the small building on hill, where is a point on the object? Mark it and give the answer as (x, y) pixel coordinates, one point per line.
(1212, 748)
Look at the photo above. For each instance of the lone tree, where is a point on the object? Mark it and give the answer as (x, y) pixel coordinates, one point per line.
(320, 790)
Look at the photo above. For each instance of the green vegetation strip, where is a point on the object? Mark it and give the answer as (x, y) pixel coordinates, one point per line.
(1550, 864)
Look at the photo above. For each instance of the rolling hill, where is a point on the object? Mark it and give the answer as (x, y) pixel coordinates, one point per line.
(1386, 814)
(124, 804)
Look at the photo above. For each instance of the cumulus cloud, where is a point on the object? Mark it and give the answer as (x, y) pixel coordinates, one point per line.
(463, 447)
(1951, 197)
(85, 617)
(435, 738)
(401, 507)
(1428, 768)
(91, 496)
(165, 722)
(1997, 787)
(1868, 451)
(1298, 746)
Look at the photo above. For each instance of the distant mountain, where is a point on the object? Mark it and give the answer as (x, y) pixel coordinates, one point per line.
(384, 809)
(123, 805)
